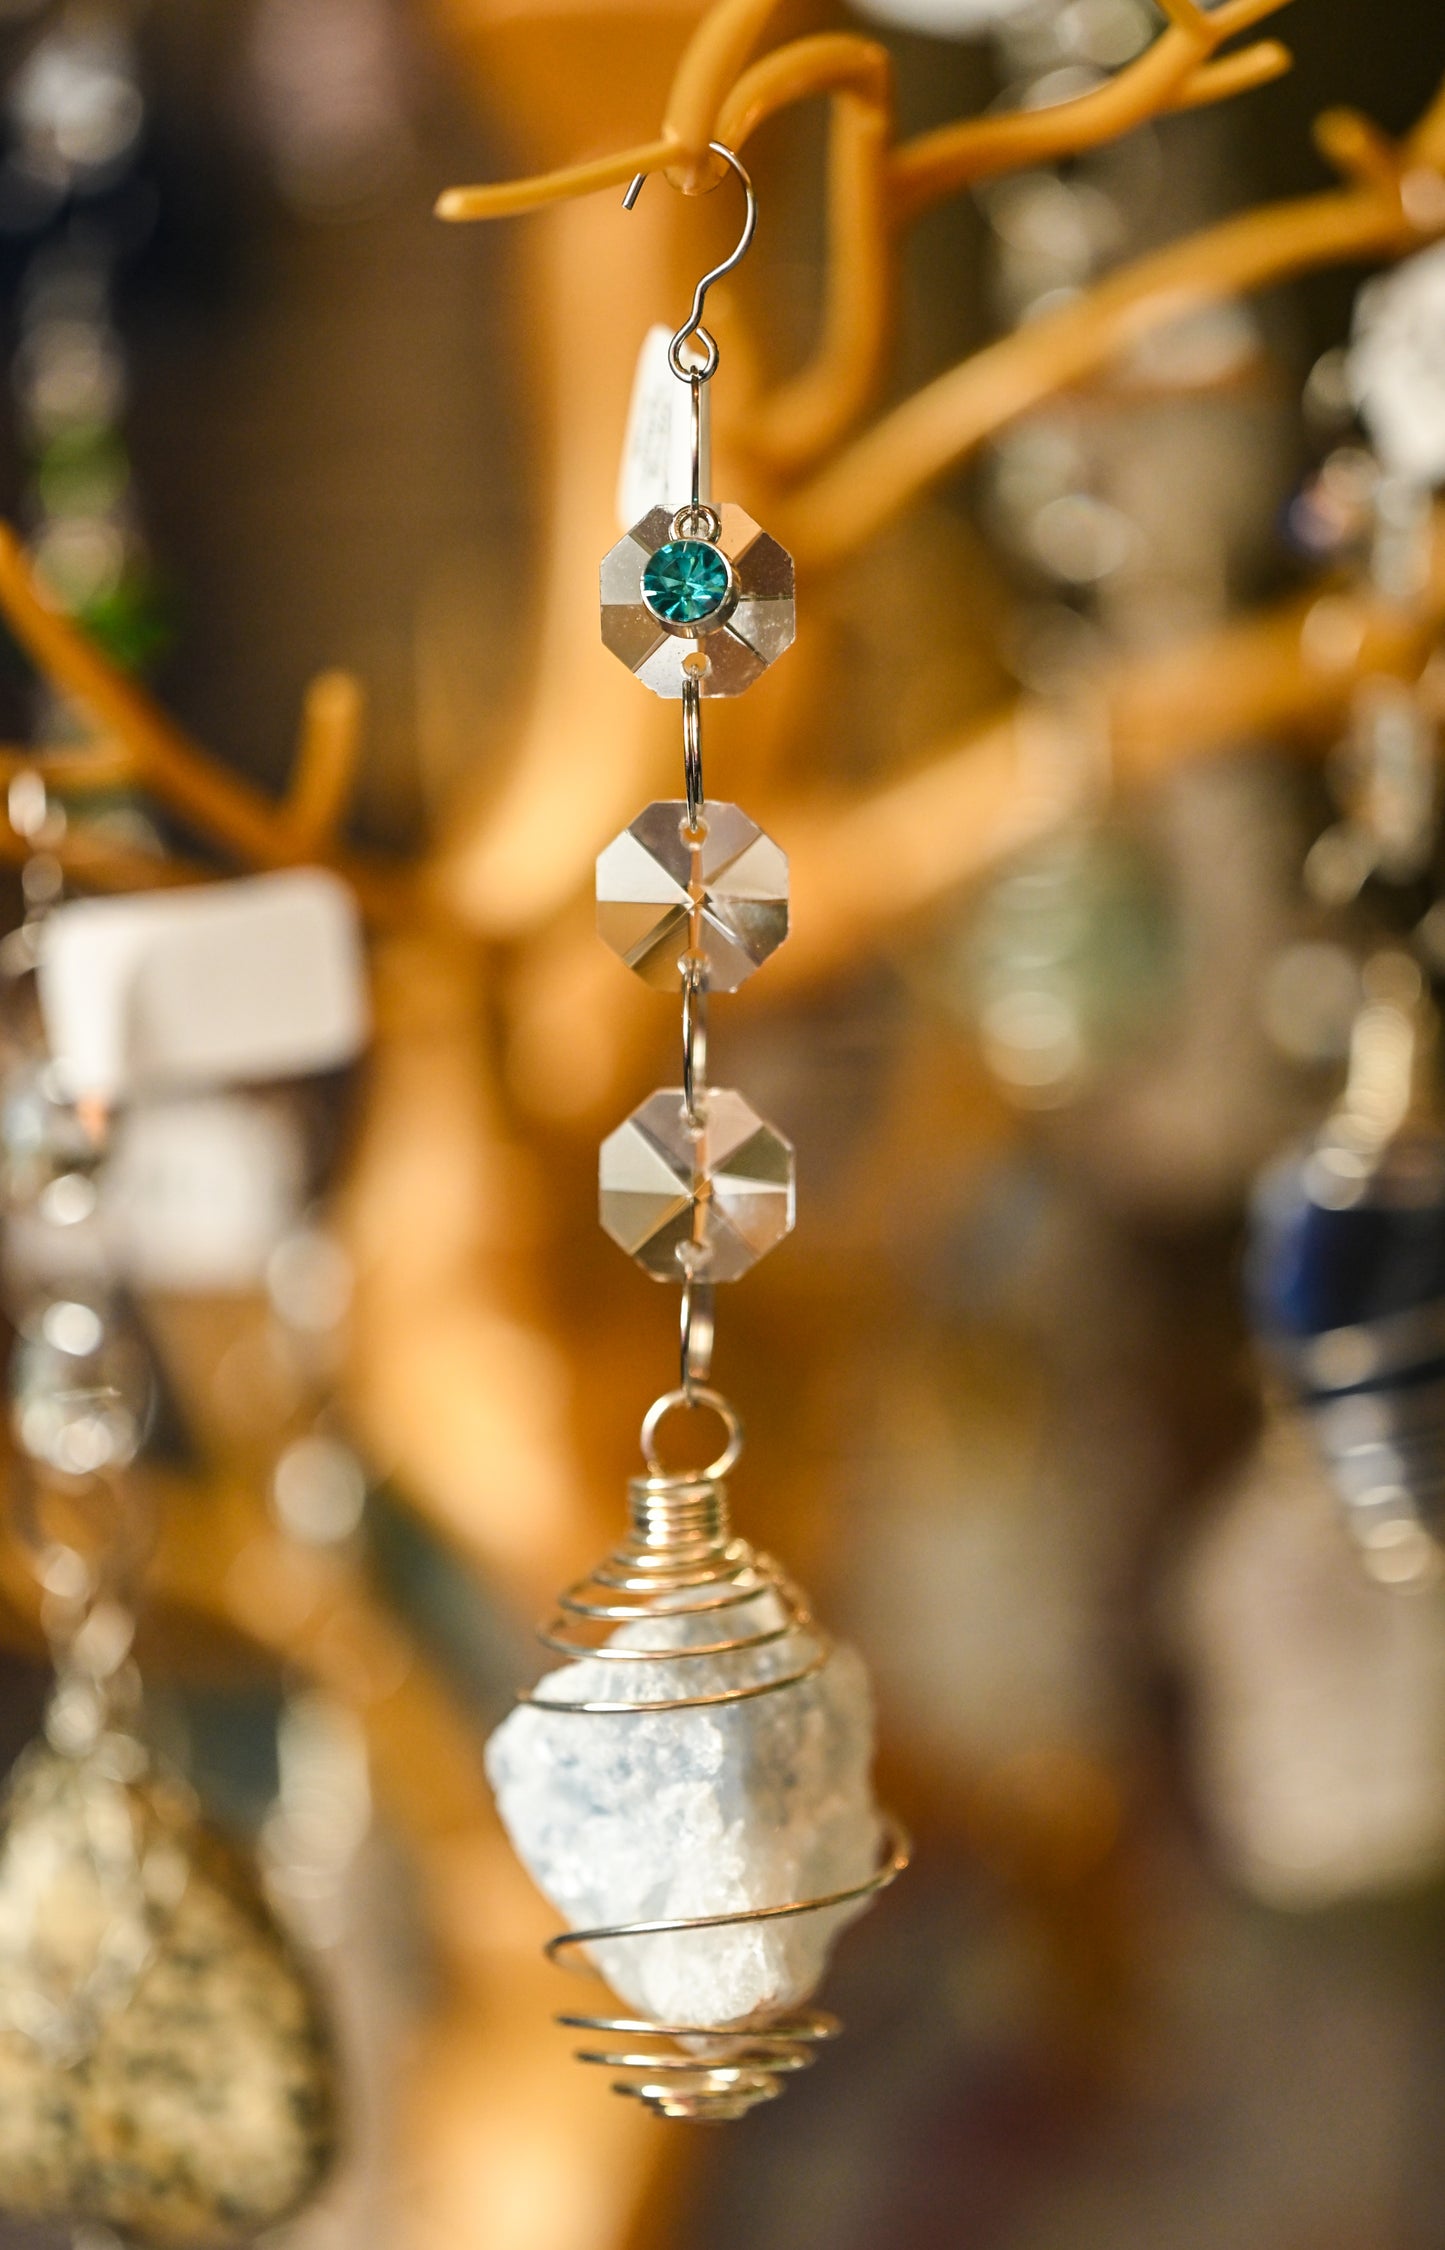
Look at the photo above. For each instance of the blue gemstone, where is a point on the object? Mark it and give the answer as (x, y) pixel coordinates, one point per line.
(1347, 1275)
(685, 582)
(1317, 1265)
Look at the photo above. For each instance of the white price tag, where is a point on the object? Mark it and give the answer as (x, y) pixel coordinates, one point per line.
(198, 1192)
(657, 452)
(226, 984)
(943, 19)
(1396, 367)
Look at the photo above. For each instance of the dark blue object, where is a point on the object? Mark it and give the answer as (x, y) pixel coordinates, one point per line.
(1339, 1241)
(1346, 1276)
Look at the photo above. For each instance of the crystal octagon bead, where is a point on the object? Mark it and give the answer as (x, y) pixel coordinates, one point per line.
(718, 611)
(721, 895)
(711, 1198)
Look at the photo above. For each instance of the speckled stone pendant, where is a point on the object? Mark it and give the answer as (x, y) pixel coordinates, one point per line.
(164, 2066)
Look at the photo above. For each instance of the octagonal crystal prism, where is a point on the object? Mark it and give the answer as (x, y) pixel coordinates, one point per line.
(667, 621)
(721, 895)
(711, 1198)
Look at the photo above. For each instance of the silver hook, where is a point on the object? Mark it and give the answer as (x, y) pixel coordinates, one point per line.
(693, 326)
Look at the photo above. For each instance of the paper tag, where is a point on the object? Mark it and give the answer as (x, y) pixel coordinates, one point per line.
(228, 984)
(1396, 366)
(943, 19)
(197, 1193)
(657, 453)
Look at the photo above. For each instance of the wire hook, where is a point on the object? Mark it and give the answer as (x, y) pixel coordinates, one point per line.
(693, 326)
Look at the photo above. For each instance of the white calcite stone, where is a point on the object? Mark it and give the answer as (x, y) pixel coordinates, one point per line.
(634, 1817)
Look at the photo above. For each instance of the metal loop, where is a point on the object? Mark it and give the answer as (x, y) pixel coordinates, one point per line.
(692, 750)
(692, 327)
(685, 370)
(84, 1537)
(671, 1402)
(699, 520)
(695, 1336)
(694, 1042)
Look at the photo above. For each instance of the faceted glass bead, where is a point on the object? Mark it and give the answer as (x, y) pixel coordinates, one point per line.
(711, 1198)
(685, 582)
(715, 624)
(80, 1385)
(721, 895)
(41, 1137)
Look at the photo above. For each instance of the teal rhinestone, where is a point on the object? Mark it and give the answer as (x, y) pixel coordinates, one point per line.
(685, 582)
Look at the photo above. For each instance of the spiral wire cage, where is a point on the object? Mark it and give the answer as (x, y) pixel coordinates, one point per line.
(680, 1558)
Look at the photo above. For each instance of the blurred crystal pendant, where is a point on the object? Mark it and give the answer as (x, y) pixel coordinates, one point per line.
(1347, 1280)
(92, 1868)
(1318, 1700)
(1067, 963)
(165, 2069)
(1384, 776)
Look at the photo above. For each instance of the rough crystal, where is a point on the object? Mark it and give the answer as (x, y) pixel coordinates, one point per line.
(663, 893)
(709, 1198)
(655, 1816)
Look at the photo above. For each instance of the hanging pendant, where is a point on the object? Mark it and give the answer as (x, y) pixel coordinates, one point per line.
(1318, 1723)
(165, 2069)
(691, 1787)
(691, 1791)
(1347, 1280)
(164, 2066)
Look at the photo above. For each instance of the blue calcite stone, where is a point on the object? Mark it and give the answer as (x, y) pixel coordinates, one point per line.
(685, 582)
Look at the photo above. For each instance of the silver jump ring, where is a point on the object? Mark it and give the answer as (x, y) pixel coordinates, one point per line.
(694, 1040)
(114, 1531)
(671, 1402)
(690, 371)
(696, 485)
(698, 520)
(695, 1336)
(692, 750)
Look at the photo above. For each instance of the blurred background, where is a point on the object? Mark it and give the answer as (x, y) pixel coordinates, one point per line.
(1169, 1969)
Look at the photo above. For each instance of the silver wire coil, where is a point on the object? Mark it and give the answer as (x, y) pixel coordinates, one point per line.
(678, 1563)
(711, 2073)
(680, 1560)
